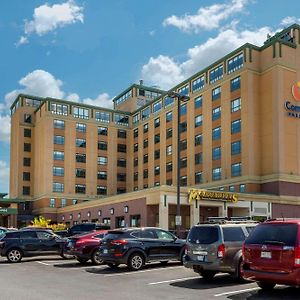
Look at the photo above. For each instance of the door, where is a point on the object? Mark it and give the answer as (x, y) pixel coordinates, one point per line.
(29, 242)
(48, 242)
(150, 243)
(168, 247)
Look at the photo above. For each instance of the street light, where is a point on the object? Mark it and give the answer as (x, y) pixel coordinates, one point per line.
(180, 98)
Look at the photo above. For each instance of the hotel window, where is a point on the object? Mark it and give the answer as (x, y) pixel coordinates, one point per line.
(198, 158)
(242, 188)
(157, 106)
(121, 177)
(145, 158)
(235, 63)
(183, 180)
(59, 124)
(102, 175)
(80, 188)
(135, 162)
(26, 190)
(124, 97)
(27, 132)
(26, 161)
(183, 145)
(59, 109)
(216, 153)
(135, 221)
(52, 203)
(58, 155)
(80, 173)
(182, 127)
(156, 154)
(168, 101)
(63, 202)
(58, 187)
(198, 84)
(145, 143)
(81, 113)
(198, 139)
(135, 147)
(183, 109)
(102, 130)
(58, 171)
(157, 122)
(102, 160)
(121, 119)
(169, 150)
(26, 176)
(27, 118)
(135, 118)
(121, 190)
(169, 116)
(27, 147)
(216, 133)
(236, 105)
(80, 158)
(102, 145)
(146, 127)
(216, 174)
(236, 126)
(198, 120)
(169, 167)
(145, 173)
(122, 133)
(156, 138)
(80, 143)
(235, 84)
(198, 177)
(184, 90)
(135, 133)
(80, 127)
(169, 133)
(74, 201)
(59, 140)
(235, 147)
(216, 74)
(146, 113)
(121, 148)
(135, 176)
(32, 102)
(156, 170)
(183, 162)
(121, 162)
(236, 169)
(231, 188)
(102, 116)
(198, 102)
(101, 190)
(216, 93)
(216, 113)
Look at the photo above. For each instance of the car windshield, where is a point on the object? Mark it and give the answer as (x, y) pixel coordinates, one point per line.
(203, 235)
(275, 234)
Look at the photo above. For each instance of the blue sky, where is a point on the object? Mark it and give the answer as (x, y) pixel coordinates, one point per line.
(89, 51)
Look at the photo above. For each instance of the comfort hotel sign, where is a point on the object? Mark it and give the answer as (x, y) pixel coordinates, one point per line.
(293, 110)
(212, 195)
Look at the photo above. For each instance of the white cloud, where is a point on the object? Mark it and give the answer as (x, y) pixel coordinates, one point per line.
(48, 18)
(5, 128)
(102, 100)
(73, 97)
(4, 176)
(165, 72)
(289, 21)
(207, 18)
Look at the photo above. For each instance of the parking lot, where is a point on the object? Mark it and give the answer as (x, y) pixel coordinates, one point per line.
(54, 278)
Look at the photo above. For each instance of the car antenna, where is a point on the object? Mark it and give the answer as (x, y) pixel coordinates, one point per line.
(282, 216)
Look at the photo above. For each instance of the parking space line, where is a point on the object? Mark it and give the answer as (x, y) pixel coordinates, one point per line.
(142, 271)
(173, 280)
(43, 263)
(237, 292)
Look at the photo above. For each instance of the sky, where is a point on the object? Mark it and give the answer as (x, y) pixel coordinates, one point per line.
(89, 51)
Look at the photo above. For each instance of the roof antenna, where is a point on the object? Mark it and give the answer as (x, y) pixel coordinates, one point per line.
(282, 216)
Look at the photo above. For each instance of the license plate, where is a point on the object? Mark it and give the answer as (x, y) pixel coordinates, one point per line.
(200, 257)
(200, 253)
(265, 254)
(105, 251)
(70, 244)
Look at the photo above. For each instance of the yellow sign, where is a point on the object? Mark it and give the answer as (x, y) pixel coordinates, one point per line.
(204, 194)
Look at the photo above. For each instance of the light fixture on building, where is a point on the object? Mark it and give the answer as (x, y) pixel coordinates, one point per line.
(112, 211)
(89, 214)
(99, 212)
(71, 217)
(63, 218)
(126, 209)
(79, 215)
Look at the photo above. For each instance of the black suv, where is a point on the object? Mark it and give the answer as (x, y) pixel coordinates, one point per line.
(15, 245)
(82, 228)
(136, 246)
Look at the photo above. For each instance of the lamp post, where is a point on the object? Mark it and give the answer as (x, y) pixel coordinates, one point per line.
(180, 98)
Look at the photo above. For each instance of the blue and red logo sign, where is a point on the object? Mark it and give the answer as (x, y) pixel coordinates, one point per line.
(296, 90)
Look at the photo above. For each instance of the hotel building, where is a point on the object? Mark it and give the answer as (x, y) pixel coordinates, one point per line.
(239, 146)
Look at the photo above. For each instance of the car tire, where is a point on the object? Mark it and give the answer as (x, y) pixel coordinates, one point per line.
(112, 265)
(82, 260)
(96, 260)
(14, 255)
(136, 261)
(207, 275)
(266, 286)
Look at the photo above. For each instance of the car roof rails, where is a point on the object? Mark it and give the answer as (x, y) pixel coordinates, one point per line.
(231, 220)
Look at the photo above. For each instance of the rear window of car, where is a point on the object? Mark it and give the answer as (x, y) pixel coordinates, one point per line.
(233, 234)
(284, 234)
(203, 235)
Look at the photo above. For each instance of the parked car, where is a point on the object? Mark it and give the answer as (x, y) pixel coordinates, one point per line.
(216, 247)
(86, 246)
(82, 228)
(16, 244)
(137, 246)
(3, 230)
(272, 254)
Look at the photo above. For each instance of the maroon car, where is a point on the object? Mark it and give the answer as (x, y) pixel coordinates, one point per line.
(86, 246)
(272, 254)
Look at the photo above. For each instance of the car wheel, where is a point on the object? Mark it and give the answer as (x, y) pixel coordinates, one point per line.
(82, 260)
(112, 265)
(207, 275)
(96, 260)
(14, 255)
(136, 261)
(266, 286)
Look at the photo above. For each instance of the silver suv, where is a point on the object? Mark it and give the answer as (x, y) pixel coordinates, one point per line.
(217, 247)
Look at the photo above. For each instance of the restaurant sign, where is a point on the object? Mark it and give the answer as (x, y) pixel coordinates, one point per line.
(8, 211)
(212, 195)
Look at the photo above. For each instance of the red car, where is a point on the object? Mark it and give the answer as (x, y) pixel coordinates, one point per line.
(86, 246)
(272, 254)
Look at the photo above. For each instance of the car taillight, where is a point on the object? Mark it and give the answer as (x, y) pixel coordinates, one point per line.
(297, 256)
(79, 242)
(221, 251)
(118, 242)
